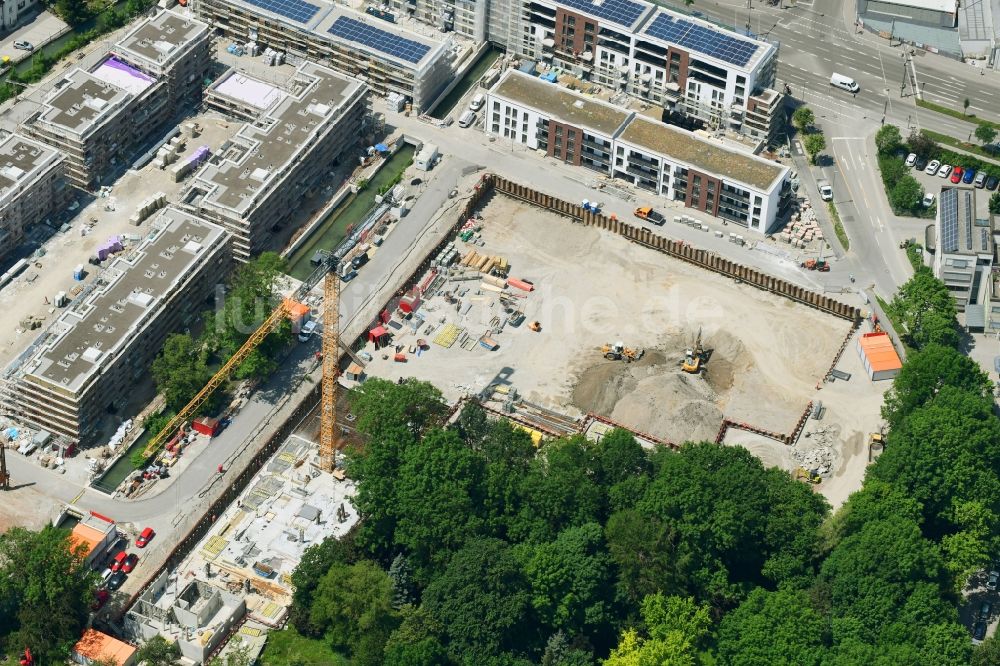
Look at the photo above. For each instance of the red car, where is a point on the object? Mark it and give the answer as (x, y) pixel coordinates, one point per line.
(956, 175)
(119, 561)
(144, 537)
(130, 563)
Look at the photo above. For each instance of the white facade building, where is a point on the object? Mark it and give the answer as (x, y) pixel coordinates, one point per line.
(680, 165)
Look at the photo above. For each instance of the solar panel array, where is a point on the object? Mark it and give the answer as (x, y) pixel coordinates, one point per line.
(380, 40)
(949, 220)
(968, 220)
(295, 10)
(701, 39)
(622, 12)
(984, 239)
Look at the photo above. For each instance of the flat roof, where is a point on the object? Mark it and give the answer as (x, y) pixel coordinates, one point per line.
(878, 349)
(125, 300)
(623, 13)
(561, 104)
(80, 100)
(21, 161)
(162, 38)
(946, 6)
(263, 151)
(703, 154)
(96, 645)
(336, 23)
(961, 232)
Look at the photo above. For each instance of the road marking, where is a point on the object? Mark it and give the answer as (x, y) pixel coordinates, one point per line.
(73, 501)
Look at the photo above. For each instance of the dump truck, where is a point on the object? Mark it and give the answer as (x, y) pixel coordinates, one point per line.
(619, 352)
(650, 215)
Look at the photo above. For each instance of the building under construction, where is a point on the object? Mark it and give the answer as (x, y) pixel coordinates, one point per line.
(100, 117)
(293, 135)
(86, 366)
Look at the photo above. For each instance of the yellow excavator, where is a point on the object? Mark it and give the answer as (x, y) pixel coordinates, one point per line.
(694, 359)
(807, 475)
(619, 352)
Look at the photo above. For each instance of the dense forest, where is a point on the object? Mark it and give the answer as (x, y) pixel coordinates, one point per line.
(476, 548)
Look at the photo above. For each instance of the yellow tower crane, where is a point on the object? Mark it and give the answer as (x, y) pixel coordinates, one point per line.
(328, 440)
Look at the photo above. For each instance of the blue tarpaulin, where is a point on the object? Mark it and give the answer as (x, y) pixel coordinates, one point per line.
(381, 147)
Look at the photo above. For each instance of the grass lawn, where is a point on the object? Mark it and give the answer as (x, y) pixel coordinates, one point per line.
(958, 143)
(287, 647)
(838, 226)
(954, 113)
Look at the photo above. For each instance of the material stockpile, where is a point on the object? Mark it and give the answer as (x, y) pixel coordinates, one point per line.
(803, 228)
(816, 449)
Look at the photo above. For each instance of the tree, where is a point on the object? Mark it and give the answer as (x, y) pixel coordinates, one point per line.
(814, 145)
(251, 297)
(157, 651)
(45, 591)
(439, 498)
(773, 628)
(180, 370)
(559, 651)
(642, 547)
(887, 139)
(571, 581)
(315, 562)
(482, 603)
(893, 170)
(402, 584)
(620, 457)
(926, 310)
(926, 372)
(995, 203)
(986, 133)
(987, 653)
(907, 194)
(73, 12)
(675, 626)
(353, 606)
(965, 106)
(803, 119)
(921, 144)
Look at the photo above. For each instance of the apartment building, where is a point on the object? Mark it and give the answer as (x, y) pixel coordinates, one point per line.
(679, 165)
(292, 137)
(99, 118)
(88, 363)
(32, 187)
(964, 253)
(375, 50)
(13, 12)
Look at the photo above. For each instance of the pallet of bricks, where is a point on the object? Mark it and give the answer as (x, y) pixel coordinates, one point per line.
(803, 228)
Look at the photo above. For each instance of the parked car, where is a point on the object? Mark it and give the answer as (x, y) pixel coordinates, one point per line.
(992, 182)
(117, 579)
(118, 561)
(307, 331)
(956, 175)
(985, 610)
(129, 564)
(145, 537)
(24, 46)
(920, 164)
(991, 580)
(980, 180)
(928, 200)
(933, 167)
(968, 175)
(359, 261)
(911, 159)
(100, 598)
(944, 171)
(979, 632)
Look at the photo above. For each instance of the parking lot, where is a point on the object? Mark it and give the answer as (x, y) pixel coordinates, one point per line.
(944, 175)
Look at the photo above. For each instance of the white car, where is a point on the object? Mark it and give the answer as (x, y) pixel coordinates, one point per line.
(933, 167)
(945, 171)
(307, 331)
(911, 159)
(928, 200)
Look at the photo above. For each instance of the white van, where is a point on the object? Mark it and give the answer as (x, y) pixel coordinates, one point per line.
(467, 119)
(844, 83)
(477, 102)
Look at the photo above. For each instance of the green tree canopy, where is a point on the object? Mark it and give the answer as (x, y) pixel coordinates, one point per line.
(888, 139)
(921, 144)
(778, 627)
(675, 629)
(814, 144)
(907, 194)
(180, 370)
(158, 651)
(986, 134)
(926, 310)
(803, 118)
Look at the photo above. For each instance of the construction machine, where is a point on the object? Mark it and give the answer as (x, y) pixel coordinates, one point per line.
(694, 359)
(807, 475)
(619, 352)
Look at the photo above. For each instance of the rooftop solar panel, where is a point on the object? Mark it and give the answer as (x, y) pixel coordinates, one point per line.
(380, 40)
(949, 220)
(622, 12)
(968, 220)
(701, 39)
(294, 10)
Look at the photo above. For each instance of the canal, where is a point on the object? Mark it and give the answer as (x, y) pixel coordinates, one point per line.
(470, 79)
(351, 212)
(122, 467)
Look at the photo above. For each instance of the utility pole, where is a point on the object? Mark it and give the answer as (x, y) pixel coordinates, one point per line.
(4, 476)
(749, 9)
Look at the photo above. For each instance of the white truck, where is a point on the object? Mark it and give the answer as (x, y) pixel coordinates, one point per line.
(825, 190)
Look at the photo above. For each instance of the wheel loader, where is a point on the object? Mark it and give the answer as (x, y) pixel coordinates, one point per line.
(619, 352)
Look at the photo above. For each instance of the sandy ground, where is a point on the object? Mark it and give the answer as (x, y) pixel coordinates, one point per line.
(63, 251)
(27, 508)
(594, 288)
